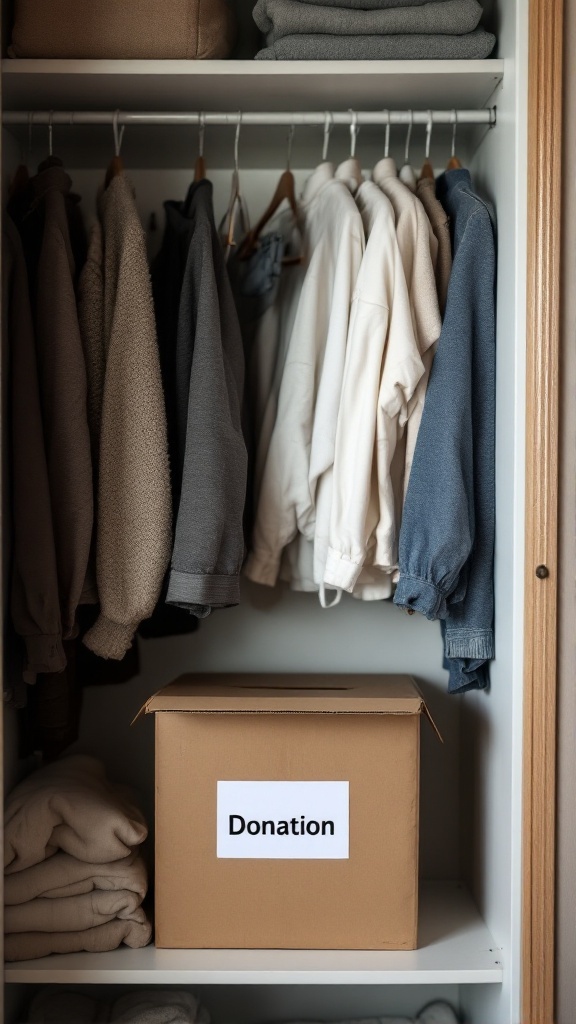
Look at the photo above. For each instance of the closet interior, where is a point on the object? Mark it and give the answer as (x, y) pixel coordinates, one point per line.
(470, 833)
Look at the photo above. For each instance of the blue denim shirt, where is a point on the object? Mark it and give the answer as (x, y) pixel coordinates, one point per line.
(446, 547)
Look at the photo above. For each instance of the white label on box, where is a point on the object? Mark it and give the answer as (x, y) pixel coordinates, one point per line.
(283, 820)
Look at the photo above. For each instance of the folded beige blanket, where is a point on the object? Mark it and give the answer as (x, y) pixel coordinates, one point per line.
(73, 913)
(71, 806)
(154, 1007)
(63, 875)
(33, 945)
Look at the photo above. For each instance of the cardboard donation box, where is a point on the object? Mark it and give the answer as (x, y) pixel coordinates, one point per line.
(287, 812)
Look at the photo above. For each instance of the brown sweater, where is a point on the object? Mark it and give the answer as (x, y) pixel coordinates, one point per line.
(35, 604)
(62, 376)
(440, 222)
(134, 517)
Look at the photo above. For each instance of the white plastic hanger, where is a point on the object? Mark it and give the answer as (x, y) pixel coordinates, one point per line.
(406, 171)
(236, 215)
(427, 169)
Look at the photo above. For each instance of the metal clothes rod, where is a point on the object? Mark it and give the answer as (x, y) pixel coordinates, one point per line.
(338, 117)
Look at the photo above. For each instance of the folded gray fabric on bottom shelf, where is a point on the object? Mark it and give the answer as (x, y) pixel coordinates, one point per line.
(104, 937)
(279, 18)
(151, 1007)
(476, 45)
(369, 5)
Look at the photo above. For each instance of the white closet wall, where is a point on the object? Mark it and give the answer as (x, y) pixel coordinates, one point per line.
(471, 806)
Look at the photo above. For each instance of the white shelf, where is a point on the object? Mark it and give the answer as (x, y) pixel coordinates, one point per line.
(455, 948)
(247, 84)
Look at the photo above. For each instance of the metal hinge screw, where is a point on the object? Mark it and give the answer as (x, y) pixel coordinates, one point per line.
(542, 572)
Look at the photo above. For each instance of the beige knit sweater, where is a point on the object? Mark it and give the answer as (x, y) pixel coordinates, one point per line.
(128, 420)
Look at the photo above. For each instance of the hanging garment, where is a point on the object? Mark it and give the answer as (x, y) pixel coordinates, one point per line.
(440, 223)
(49, 230)
(418, 249)
(383, 367)
(209, 542)
(311, 380)
(475, 45)
(279, 18)
(265, 293)
(447, 536)
(134, 506)
(34, 600)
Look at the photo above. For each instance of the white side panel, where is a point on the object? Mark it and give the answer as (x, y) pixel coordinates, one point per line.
(492, 724)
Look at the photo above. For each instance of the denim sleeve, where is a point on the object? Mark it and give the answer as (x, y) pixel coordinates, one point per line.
(437, 529)
(447, 535)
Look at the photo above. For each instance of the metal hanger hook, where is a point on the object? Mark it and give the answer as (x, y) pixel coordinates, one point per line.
(290, 141)
(408, 137)
(354, 129)
(50, 133)
(429, 126)
(237, 141)
(201, 131)
(387, 136)
(118, 133)
(454, 119)
(328, 122)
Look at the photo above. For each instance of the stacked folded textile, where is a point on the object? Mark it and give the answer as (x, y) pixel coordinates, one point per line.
(73, 877)
(153, 1007)
(372, 30)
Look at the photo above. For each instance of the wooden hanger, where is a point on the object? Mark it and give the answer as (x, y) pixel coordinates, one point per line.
(285, 192)
(200, 166)
(427, 169)
(116, 166)
(454, 163)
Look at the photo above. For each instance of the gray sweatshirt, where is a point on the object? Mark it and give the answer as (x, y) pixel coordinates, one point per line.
(474, 45)
(278, 18)
(209, 543)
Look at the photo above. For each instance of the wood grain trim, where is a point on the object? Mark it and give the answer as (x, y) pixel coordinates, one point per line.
(542, 460)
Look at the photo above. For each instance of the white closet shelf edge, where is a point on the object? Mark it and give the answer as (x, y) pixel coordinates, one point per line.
(297, 85)
(455, 948)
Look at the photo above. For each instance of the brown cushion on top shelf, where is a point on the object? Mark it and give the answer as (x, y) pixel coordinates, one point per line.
(109, 30)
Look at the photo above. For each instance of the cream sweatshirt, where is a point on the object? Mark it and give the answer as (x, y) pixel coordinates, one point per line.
(312, 374)
(419, 250)
(134, 518)
(383, 367)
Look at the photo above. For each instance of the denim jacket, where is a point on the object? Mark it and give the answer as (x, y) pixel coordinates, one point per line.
(446, 546)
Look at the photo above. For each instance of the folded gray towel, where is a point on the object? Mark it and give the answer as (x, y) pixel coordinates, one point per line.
(474, 45)
(155, 1007)
(33, 945)
(278, 18)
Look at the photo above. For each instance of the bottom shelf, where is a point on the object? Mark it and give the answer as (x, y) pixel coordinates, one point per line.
(455, 948)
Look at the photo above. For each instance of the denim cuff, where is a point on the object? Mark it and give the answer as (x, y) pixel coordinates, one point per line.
(467, 675)
(419, 595)
(477, 644)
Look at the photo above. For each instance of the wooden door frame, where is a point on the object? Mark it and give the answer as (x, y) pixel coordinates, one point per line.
(542, 462)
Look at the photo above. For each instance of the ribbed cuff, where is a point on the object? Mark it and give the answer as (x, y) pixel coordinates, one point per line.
(44, 653)
(201, 590)
(469, 643)
(110, 639)
(340, 571)
(419, 595)
(262, 569)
